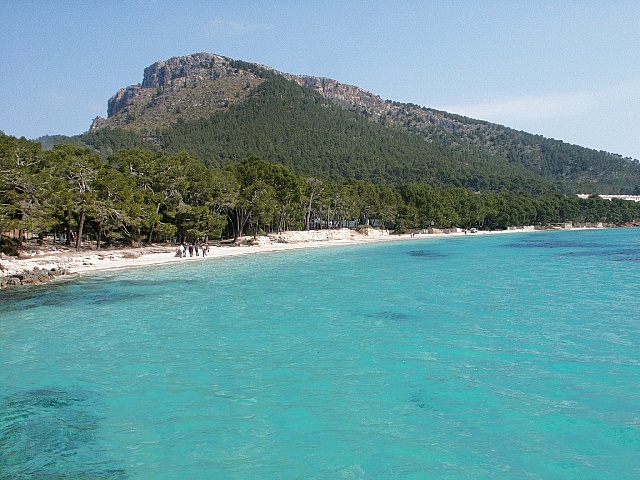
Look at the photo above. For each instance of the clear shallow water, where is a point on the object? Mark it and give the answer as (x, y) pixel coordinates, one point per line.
(509, 356)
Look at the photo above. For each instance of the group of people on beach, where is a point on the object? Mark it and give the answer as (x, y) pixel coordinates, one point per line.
(184, 249)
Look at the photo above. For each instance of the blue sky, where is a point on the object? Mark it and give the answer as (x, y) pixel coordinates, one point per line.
(564, 69)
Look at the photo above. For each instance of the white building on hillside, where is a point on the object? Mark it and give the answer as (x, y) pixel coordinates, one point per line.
(630, 198)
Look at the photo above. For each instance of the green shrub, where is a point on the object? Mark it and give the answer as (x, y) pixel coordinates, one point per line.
(10, 246)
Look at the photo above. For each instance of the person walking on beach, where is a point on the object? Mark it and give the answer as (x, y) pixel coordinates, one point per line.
(191, 250)
(205, 249)
(196, 247)
(180, 252)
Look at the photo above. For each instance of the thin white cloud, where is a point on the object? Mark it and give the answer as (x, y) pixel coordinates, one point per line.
(94, 108)
(529, 107)
(58, 98)
(516, 109)
(65, 99)
(219, 26)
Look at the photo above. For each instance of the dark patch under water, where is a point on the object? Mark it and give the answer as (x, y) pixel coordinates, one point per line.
(151, 283)
(27, 297)
(418, 401)
(549, 243)
(20, 299)
(426, 254)
(81, 290)
(113, 297)
(388, 315)
(617, 255)
(424, 402)
(577, 248)
(51, 433)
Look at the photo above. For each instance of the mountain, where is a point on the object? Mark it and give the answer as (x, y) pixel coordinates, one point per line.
(223, 110)
(188, 88)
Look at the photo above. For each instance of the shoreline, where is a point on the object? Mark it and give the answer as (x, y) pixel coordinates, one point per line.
(42, 267)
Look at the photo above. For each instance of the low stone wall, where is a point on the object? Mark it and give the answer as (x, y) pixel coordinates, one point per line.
(312, 236)
(374, 232)
(526, 228)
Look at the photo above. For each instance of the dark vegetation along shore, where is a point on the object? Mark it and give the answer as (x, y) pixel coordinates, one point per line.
(135, 196)
(209, 147)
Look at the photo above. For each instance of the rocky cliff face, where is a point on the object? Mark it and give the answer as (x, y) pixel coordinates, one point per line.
(216, 81)
(412, 117)
(196, 67)
(187, 87)
(122, 98)
(194, 86)
(348, 96)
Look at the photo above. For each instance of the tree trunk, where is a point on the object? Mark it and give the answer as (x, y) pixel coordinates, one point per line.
(80, 227)
(153, 225)
(236, 229)
(307, 216)
(68, 232)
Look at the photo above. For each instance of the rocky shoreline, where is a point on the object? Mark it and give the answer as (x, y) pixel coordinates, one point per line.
(31, 277)
(39, 264)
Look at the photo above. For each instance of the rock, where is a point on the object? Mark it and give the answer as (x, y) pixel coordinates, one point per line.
(118, 102)
(349, 96)
(198, 65)
(259, 241)
(131, 254)
(35, 276)
(97, 123)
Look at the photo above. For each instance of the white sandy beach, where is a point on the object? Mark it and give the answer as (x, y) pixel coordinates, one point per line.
(92, 260)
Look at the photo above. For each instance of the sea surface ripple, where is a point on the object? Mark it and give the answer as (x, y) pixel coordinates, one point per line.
(501, 357)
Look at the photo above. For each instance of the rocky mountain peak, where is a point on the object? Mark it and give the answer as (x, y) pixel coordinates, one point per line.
(198, 66)
(196, 85)
(189, 87)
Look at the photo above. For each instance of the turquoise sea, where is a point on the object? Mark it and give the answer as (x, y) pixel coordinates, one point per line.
(477, 357)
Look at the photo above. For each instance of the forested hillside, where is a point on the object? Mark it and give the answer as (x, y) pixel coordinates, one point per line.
(221, 111)
(284, 123)
(571, 167)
